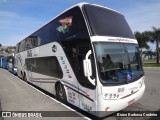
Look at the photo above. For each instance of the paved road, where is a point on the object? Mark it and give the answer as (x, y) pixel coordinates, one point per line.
(15, 95)
(10, 84)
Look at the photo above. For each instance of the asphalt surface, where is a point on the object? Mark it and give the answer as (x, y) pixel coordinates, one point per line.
(16, 95)
(36, 101)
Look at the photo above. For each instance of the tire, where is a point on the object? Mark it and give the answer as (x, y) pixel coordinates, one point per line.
(25, 78)
(61, 94)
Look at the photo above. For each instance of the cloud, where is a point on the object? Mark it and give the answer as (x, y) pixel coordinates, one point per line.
(15, 27)
(144, 16)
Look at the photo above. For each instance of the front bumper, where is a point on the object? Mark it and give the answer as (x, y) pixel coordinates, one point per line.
(117, 105)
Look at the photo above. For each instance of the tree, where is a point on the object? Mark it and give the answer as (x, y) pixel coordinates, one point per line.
(142, 40)
(155, 38)
(0, 45)
(149, 54)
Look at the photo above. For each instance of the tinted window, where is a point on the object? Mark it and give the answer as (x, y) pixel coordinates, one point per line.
(31, 42)
(48, 33)
(76, 43)
(74, 26)
(105, 22)
(58, 29)
(22, 46)
(45, 65)
(17, 48)
(44, 35)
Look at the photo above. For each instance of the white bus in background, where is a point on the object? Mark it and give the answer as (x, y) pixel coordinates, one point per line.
(87, 56)
(11, 63)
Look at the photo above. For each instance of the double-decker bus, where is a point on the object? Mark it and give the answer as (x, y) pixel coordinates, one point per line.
(86, 56)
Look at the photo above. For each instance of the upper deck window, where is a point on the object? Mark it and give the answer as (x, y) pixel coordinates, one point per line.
(105, 22)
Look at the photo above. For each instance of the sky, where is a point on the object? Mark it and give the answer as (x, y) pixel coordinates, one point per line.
(20, 18)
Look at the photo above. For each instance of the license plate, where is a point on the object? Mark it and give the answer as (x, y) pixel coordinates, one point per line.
(131, 101)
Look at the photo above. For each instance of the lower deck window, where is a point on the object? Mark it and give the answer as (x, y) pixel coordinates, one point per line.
(45, 65)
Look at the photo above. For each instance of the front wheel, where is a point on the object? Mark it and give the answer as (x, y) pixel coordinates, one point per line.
(60, 93)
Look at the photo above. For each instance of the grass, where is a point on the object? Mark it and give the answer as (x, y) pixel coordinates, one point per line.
(150, 60)
(151, 65)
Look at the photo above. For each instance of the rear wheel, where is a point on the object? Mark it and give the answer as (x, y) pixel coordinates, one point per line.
(60, 93)
(25, 77)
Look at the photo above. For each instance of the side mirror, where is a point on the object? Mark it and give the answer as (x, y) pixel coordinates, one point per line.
(88, 67)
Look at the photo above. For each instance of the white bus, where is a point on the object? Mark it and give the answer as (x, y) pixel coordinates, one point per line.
(11, 63)
(86, 56)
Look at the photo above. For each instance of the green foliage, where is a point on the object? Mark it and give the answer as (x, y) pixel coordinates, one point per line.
(149, 36)
(142, 39)
(7, 50)
(149, 53)
(156, 38)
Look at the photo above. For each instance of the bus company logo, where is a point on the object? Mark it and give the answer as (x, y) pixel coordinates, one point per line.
(54, 48)
(66, 23)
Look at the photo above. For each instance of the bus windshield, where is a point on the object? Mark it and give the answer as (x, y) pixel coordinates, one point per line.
(118, 62)
(106, 22)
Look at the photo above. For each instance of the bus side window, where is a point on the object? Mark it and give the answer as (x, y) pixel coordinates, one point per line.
(48, 66)
(76, 43)
(76, 55)
(17, 47)
(27, 46)
(22, 46)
